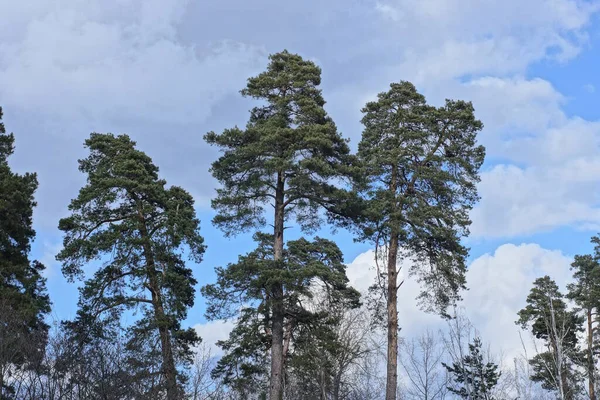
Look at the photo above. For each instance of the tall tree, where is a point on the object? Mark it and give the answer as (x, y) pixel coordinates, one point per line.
(24, 302)
(419, 170)
(307, 269)
(127, 218)
(474, 379)
(549, 319)
(288, 157)
(585, 292)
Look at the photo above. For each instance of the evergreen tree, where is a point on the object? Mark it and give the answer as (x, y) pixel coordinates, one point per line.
(24, 302)
(473, 378)
(127, 218)
(288, 157)
(305, 269)
(585, 292)
(549, 319)
(419, 167)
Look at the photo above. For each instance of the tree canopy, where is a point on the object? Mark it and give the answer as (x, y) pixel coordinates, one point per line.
(289, 156)
(138, 229)
(419, 166)
(24, 301)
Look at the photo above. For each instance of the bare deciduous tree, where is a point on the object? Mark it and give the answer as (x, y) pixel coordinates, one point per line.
(421, 360)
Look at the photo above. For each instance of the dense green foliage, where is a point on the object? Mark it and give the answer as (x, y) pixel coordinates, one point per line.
(418, 168)
(126, 218)
(289, 152)
(24, 302)
(585, 292)
(289, 157)
(244, 289)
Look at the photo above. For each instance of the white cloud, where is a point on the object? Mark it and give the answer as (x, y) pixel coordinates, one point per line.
(71, 67)
(518, 201)
(113, 60)
(48, 258)
(498, 286)
(450, 38)
(213, 331)
(544, 164)
(550, 164)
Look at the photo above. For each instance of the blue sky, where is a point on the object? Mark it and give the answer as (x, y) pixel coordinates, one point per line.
(168, 71)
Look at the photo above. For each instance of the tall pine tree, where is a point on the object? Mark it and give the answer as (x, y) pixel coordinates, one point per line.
(288, 157)
(127, 218)
(419, 170)
(585, 292)
(24, 302)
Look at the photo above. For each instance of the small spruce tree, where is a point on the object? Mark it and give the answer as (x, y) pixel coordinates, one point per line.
(474, 379)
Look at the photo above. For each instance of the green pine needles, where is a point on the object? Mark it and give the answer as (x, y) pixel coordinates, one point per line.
(127, 218)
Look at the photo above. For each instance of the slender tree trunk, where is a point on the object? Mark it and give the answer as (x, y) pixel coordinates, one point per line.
(168, 366)
(277, 317)
(392, 307)
(556, 339)
(165, 340)
(337, 383)
(591, 366)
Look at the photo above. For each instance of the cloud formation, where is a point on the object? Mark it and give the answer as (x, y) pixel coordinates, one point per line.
(117, 61)
(498, 286)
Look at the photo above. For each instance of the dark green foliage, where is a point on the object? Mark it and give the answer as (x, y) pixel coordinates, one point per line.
(308, 269)
(546, 312)
(474, 379)
(547, 316)
(24, 302)
(585, 292)
(244, 367)
(289, 156)
(290, 140)
(126, 218)
(420, 168)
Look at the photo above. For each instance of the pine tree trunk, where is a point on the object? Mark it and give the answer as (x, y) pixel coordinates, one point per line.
(337, 383)
(277, 317)
(392, 308)
(392, 325)
(591, 366)
(165, 341)
(168, 367)
(556, 343)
